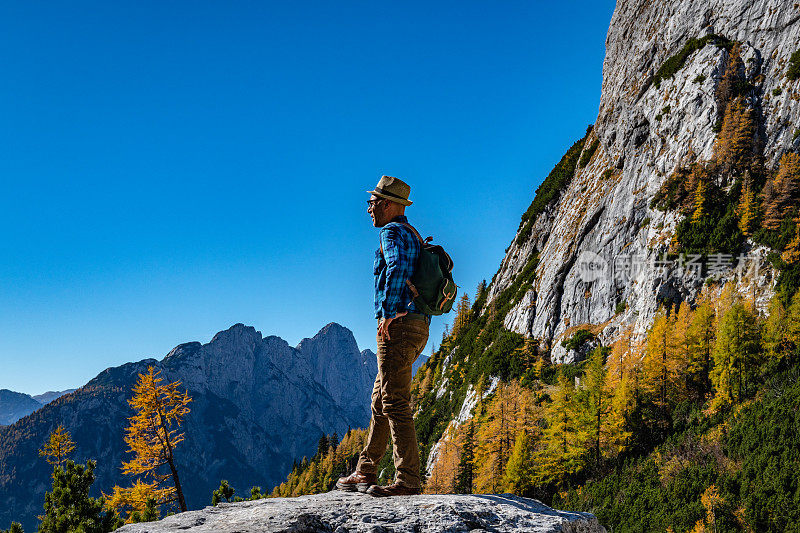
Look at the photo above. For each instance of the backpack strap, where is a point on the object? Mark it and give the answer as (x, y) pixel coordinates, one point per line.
(414, 231)
(421, 240)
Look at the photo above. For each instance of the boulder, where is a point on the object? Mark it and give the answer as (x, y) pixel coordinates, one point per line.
(345, 512)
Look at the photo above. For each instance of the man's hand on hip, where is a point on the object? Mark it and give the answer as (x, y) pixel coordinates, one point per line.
(383, 327)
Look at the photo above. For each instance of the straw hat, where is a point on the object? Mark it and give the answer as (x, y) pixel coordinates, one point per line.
(393, 189)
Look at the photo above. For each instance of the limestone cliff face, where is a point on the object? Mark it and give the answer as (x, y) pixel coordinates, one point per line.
(257, 405)
(345, 372)
(644, 130)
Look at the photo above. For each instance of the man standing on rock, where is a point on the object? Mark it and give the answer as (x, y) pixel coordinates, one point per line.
(402, 335)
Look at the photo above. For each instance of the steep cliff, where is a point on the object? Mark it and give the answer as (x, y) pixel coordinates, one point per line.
(699, 115)
(659, 109)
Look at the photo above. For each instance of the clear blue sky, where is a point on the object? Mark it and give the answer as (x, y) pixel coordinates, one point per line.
(171, 168)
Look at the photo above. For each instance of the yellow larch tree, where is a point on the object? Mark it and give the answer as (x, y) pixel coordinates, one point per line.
(681, 347)
(711, 500)
(564, 442)
(782, 192)
(793, 322)
(660, 367)
(776, 339)
(623, 403)
(701, 336)
(529, 354)
(598, 397)
(748, 207)
(443, 475)
(700, 201)
(731, 76)
(133, 499)
(791, 254)
(463, 313)
(495, 437)
(58, 446)
(737, 353)
(781, 338)
(733, 148)
(518, 474)
(489, 456)
(619, 360)
(152, 435)
(622, 376)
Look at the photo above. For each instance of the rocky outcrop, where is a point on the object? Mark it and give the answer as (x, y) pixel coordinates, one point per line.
(339, 512)
(644, 129)
(257, 405)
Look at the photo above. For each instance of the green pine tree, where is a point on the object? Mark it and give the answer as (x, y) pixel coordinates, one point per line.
(322, 446)
(466, 466)
(69, 508)
(150, 513)
(224, 491)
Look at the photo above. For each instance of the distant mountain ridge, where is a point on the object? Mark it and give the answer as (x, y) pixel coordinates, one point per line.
(49, 396)
(15, 405)
(257, 405)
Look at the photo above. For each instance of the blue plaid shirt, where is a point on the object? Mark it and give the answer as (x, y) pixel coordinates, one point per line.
(393, 267)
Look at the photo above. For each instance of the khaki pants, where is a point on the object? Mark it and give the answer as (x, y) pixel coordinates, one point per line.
(391, 402)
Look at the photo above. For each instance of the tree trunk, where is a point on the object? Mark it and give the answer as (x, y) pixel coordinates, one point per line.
(181, 500)
(171, 461)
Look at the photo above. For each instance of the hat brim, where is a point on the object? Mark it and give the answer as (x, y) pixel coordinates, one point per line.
(400, 201)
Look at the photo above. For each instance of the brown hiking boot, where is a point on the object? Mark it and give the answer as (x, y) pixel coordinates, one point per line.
(356, 481)
(395, 489)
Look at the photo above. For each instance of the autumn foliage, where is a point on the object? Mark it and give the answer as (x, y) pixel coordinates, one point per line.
(58, 447)
(152, 435)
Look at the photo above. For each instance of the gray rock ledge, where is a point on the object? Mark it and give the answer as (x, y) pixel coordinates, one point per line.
(342, 512)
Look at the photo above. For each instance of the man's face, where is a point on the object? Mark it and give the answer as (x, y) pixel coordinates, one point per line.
(377, 210)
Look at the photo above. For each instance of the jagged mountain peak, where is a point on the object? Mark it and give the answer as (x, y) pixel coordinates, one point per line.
(238, 333)
(331, 333)
(184, 350)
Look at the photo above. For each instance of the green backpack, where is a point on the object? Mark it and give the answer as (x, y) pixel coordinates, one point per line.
(432, 285)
